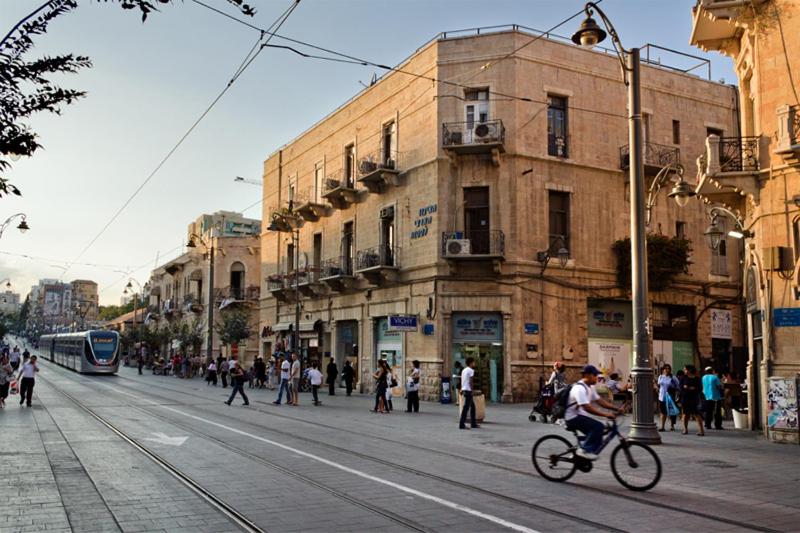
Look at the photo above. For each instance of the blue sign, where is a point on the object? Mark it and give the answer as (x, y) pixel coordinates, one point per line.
(402, 323)
(786, 317)
(531, 329)
(427, 329)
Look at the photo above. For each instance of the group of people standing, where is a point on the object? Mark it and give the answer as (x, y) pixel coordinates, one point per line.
(690, 396)
(385, 381)
(24, 365)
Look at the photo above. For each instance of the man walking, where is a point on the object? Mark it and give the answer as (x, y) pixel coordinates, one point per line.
(237, 382)
(28, 375)
(712, 391)
(467, 403)
(295, 379)
(284, 386)
(333, 372)
(315, 378)
(349, 376)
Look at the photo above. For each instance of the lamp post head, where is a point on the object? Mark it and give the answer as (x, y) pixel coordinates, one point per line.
(713, 234)
(125, 291)
(589, 33)
(681, 192)
(8, 284)
(128, 286)
(563, 256)
(191, 243)
(23, 226)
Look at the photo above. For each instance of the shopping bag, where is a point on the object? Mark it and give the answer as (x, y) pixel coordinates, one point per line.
(672, 409)
(14, 388)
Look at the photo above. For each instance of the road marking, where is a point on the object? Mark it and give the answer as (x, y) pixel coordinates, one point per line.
(353, 471)
(160, 438)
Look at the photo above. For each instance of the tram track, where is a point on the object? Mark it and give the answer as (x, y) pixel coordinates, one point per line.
(627, 497)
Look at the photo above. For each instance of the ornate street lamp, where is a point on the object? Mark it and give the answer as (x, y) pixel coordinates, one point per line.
(643, 427)
(561, 252)
(22, 226)
(714, 233)
(681, 192)
(209, 246)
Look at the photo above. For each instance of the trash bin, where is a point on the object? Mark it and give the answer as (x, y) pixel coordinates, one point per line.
(739, 419)
(445, 396)
(480, 405)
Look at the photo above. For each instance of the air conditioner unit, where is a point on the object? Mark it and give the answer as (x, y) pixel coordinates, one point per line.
(485, 132)
(457, 247)
(387, 212)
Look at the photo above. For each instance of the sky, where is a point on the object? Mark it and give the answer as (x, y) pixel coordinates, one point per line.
(150, 81)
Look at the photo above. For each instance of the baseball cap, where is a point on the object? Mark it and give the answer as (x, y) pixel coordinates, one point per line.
(709, 369)
(590, 369)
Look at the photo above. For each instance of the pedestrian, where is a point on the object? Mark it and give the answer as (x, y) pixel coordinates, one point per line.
(223, 372)
(284, 385)
(6, 375)
(668, 385)
(348, 375)
(315, 378)
(580, 405)
(14, 358)
(211, 374)
(295, 379)
(26, 355)
(261, 372)
(271, 373)
(713, 394)
(237, 382)
(251, 376)
(140, 360)
(467, 403)
(333, 372)
(392, 383)
(28, 374)
(558, 378)
(412, 388)
(381, 376)
(690, 400)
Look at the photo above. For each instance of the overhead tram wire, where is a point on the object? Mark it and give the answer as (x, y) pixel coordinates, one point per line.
(347, 58)
(242, 67)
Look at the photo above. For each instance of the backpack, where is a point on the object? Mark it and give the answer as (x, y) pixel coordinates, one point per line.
(561, 403)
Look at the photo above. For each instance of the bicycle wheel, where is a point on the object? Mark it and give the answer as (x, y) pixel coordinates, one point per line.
(552, 458)
(635, 465)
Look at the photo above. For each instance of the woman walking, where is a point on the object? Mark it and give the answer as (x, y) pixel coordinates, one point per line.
(690, 400)
(667, 387)
(211, 374)
(381, 384)
(6, 375)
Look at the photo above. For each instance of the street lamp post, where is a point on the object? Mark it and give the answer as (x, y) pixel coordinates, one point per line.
(210, 300)
(129, 287)
(22, 226)
(291, 223)
(643, 428)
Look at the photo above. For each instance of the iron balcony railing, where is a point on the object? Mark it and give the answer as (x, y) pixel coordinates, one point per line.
(189, 299)
(473, 133)
(276, 282)
(238, 293)
(378, 256)
(654, 154)
(337, 180)
(378, 160)
(336, 267)
(474, 243)
(738, 154)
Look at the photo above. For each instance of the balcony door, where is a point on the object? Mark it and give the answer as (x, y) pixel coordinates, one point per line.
(348, 244)
(476, 111)
(476, 218)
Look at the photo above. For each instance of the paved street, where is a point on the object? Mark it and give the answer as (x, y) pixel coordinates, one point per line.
(340, 467)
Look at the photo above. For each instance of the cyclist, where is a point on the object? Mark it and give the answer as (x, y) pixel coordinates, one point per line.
(582, 396)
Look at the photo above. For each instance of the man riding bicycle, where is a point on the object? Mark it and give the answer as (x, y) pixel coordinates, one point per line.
(579, 407)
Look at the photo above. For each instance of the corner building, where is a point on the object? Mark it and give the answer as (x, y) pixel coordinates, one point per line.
(432, 200)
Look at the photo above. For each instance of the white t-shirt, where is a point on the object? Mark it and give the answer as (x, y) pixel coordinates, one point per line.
(411, 386)
(466, 378)
(315, 376)
(285, 366)
(14, 356)
(296, 370)
(29, 370)
(581, 394)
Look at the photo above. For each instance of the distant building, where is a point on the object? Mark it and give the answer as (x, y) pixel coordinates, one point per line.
(85, 302)
(230, 224)
(9, 302)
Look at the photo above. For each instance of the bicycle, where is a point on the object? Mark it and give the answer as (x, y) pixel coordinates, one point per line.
(635, 465)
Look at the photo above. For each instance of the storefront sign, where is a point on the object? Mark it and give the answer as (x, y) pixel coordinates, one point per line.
(786, 317)
(402, 323)
(477, 327)
(611, 356)
(721, 324)
(531, 329)
(610, 319)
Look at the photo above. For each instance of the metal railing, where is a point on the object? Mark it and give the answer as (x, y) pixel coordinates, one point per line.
(377, 160)
(189, 299)
(480, 242)
(337, 180)
(738, 154)
(308, 195)
(473, 133)
(239, 293)
(337, 266)
(378, 256)
(276, 282)
(654, 154)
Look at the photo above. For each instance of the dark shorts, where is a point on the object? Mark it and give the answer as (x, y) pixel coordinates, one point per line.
(689, 408)
(662, 408)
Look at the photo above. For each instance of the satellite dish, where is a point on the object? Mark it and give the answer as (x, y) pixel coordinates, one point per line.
(303, 260)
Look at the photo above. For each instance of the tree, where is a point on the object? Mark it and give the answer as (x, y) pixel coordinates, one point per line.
(110, 312)
(234, 326)
(667, 257)
(25, 86)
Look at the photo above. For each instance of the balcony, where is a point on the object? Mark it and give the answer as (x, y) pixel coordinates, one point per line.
(310, 206)
(284, 219)
(237, 295)
(337, 274)
(340, 190)
(309, 283)
(279, 288)
(377, 171)
(717, 24)
(466, 138)
(729, 170)
(191, 304)
(656, 156)
(789, 134)
(168, 308)
(484, 245)
(379, 265)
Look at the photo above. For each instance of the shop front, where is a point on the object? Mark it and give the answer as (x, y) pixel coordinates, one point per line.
(389, 346)
(347, 345)
(480, 336)
(610, 329)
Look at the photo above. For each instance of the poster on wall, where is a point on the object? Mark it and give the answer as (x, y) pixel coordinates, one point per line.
(782, 404)
(611, 356)
(676, 354)
(721, 324)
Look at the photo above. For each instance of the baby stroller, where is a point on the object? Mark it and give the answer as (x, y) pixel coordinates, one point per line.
(544, 404)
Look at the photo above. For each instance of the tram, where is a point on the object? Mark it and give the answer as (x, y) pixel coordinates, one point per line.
(87, 352)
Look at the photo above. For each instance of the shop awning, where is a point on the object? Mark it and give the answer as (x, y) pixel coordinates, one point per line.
(282, 326)
(305, 325)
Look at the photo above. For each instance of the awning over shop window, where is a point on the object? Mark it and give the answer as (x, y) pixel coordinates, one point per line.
(305, 325)
(282, 326)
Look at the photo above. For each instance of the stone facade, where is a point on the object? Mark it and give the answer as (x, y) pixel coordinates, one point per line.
(85, 298)
(472, 162)
(761, 38)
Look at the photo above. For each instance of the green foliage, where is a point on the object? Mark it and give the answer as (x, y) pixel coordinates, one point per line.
(189, 336)
(110, 312)
(234, 326)
(667, 257)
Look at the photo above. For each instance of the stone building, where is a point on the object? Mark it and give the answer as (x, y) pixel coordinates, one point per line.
(429, 212)
(753, 170)
(178, 290)
(84, 302)
(9, 302)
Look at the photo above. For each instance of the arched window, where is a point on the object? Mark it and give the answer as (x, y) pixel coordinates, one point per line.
(196, 285)
(237, 281)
